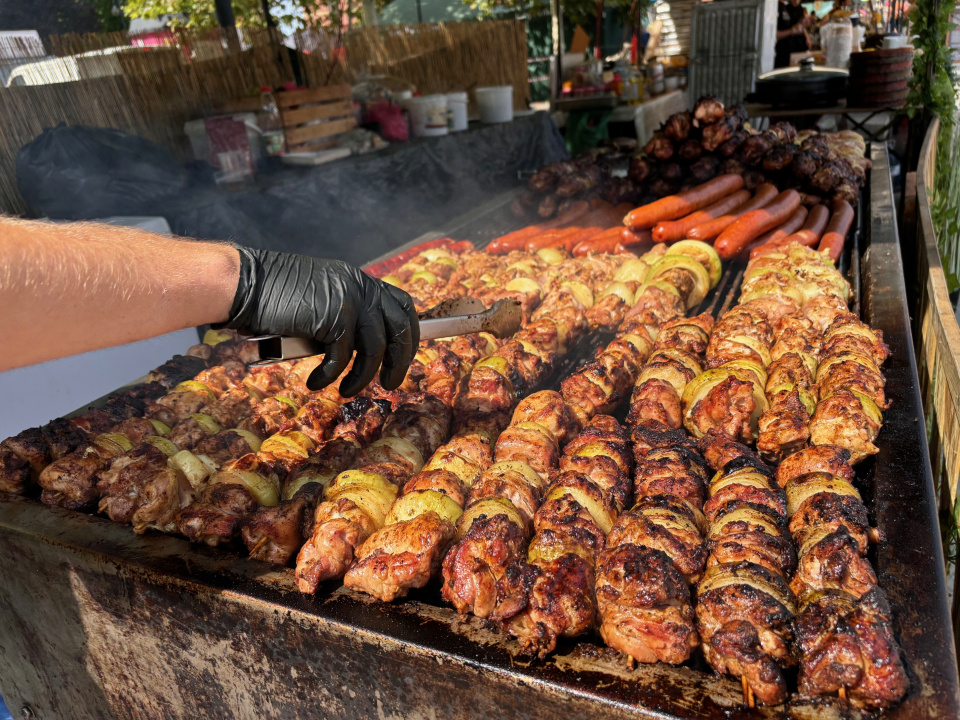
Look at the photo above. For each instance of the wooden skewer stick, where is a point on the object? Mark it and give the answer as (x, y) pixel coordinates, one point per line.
(747, 692)
(843, 692)
(260, 543)
(631, 663)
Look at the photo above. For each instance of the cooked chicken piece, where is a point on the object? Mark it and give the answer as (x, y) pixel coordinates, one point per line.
(746, 485)
(818, 458)
(691, 335)
(827, 512)
(805, 165)
(650, 435)
(512, 485)
(425, 426)
(230, 408)
(745, 616)
(852, 374)
(603, 472)
(316, 419)
(660, 147)
(719, 450)
(644, 605)
(752, 150)
(71, 481)
(654, 307)
(833, 563)
(843, 343)
(708, 110)
(120, 486)
(779, 157)
(690, 150)
(269, 415)
(187, 433)
(743, 320)
(16, 475)
(717, 133)
(275, 534)
(530, 446)
(706, 168)
(221, 378)
(488, 394)
(530, 368)
(561, 602)
(563, 524)
(339, 527)
(824, 309)
(841, 420)
(548, 409)
(727, 407)
(743, 532)
(400, 556)
(588, 392)
(788, 369)
(677, 126)
(475, 569)
(33, 447)
(785, 427)
(655, 400)
(669, 524)
(847, 643)
(676, 471)
(176, 370)
(215, 517)
(222, 446)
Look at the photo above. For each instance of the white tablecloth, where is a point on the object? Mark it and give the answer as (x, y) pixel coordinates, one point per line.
(648, 116)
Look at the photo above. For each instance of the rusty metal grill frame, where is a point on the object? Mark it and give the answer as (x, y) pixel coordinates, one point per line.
(98, 622)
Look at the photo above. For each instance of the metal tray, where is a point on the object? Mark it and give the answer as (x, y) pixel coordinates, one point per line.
(96, 622)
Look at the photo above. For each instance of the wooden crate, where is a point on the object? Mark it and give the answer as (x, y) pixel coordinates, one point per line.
(331, 106)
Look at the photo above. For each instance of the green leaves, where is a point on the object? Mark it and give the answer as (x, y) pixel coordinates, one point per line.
(249, 13)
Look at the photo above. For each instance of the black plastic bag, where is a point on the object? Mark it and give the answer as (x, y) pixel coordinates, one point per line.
(81, 173)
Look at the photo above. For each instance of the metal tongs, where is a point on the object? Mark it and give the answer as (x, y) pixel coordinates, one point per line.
(457, 316)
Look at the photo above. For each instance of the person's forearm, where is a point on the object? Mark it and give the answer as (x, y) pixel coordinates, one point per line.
(69, 288)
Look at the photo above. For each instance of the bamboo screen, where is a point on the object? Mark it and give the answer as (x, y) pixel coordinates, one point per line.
(102, 81)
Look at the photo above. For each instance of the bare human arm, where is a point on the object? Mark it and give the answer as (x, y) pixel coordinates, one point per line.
(70, 288)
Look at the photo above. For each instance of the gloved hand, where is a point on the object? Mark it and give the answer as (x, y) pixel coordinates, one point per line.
(337, 305)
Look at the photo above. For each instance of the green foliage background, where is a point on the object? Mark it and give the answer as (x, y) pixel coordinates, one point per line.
(933, 94)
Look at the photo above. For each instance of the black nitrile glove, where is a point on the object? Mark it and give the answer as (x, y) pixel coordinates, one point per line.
(337, 305)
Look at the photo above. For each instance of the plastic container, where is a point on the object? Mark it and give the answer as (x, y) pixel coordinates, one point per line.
(837, 39)
(428, 115)
(274, 141)
(196, 131)
(457, 111)
(495, 104)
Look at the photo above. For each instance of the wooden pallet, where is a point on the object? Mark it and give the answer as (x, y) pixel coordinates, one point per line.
(329, 108)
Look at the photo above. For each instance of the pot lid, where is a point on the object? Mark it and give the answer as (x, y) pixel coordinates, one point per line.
(805, 72)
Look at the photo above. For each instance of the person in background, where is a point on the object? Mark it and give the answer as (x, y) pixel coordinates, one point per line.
(73, 287)
(792, 22)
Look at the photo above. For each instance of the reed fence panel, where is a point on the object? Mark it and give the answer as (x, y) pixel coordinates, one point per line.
(102, 80)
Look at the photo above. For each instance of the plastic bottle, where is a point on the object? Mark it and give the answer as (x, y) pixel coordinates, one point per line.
(274, 142)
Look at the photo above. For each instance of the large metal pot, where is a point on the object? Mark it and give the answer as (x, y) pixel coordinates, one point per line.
(801, 86)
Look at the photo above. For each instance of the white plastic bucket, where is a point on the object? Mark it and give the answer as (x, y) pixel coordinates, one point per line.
(495, 103)
(428, 115)
(457, 111)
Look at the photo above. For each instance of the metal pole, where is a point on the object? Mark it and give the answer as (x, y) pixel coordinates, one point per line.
(419, 13)
(267, 17)
(225, 16)
(556, 31)
(226, 20)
